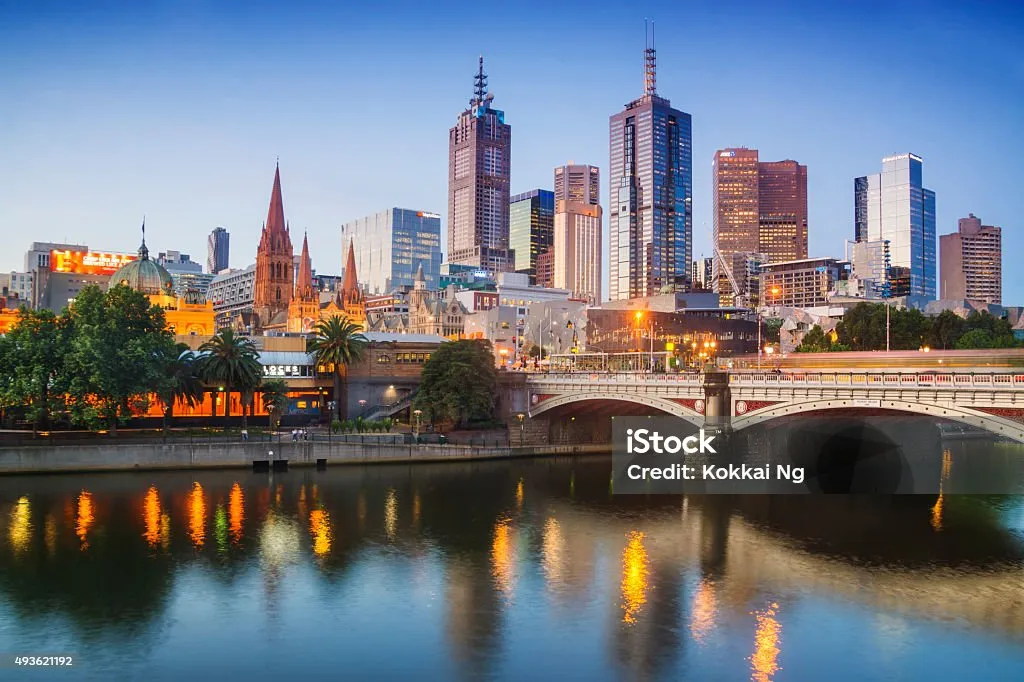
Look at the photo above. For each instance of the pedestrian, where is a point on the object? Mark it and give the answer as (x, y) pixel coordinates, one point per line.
(245, 435)
(295, 434)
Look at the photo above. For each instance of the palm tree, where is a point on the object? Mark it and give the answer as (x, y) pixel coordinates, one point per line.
(179, 380)
(232, 362)
(338, 343)
(275, 399)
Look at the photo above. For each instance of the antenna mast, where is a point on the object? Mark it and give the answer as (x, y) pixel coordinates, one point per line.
(650, 61)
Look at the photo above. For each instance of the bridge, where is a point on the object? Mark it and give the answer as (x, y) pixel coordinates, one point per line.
(983, 397)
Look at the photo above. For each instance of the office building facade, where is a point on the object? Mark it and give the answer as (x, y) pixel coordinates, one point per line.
(391, 245)
(804, 283)
(576, 254)
(531, 228)
(651, 194)
(578, 182)
(894, 206)
(702, 273)
(760, 208)
(217, 247)
(479, 167)
(972, 262)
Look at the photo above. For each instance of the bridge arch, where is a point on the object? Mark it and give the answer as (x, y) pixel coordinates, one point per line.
(1001, 426)
(664, 405)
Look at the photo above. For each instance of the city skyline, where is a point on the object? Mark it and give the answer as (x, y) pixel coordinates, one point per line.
(137, 151)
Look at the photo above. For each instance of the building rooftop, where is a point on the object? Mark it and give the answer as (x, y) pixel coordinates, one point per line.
(387, 337)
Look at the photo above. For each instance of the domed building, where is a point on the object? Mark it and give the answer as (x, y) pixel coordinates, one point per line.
(185, 315)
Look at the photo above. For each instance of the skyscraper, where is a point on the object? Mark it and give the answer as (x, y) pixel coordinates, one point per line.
(760, 208)
(893, 205)
(217, 250)
(702, 273)
(578, 182)
(782, 210)
(272, 291)
(651, 178)
(972, 262)
(391, 245)
(531, 225)
(479, 164)
(576, 254)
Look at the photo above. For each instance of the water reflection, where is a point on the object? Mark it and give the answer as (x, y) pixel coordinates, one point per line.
(764, 660)
(236, 512)
(634, 577)
(84, 519)
(320, 529)
(21, 525)
(704, 611)
(628, 588)
(503, 566)
(197, 516)
(151, 517)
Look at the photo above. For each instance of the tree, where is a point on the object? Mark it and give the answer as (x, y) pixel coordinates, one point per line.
(113, 357)
(863, 327)
(815, 341)
(975, 338)
(337, 344)
(275, 399)
(947, 328)
(179, 380)
(458, 383)
(231, 362)
(537, 352)
(772, 329)
(32, 364)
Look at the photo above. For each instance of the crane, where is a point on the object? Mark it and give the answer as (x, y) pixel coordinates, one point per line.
(737, 294)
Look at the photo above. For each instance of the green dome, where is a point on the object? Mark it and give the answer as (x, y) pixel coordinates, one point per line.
(144, 275)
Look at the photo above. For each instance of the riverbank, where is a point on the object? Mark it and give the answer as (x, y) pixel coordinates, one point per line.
(131, 457)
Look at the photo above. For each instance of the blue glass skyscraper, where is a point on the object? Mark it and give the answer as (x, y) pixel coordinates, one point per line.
(651, 195)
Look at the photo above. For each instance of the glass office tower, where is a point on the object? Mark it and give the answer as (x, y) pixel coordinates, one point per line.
(531, 219)
(389, 246)
(651, 195)
(893, 205)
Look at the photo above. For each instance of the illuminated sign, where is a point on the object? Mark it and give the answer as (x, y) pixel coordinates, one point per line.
(284, 371)
(88, 262)
(727, 154)
(423, 214)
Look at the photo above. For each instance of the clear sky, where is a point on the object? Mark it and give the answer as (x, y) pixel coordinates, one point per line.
(178, 109)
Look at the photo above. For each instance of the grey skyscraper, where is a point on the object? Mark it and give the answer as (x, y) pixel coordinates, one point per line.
(651, 197)
(217, 250)
(894, 206)
(479, 165)
(392, 245)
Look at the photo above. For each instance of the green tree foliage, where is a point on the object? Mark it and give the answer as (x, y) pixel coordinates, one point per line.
(231, 362)
(275, 399)
(458, 383)
(863, 327)
(815, 341)
(32, 364)
(113, 356)
(947, 328)
(338, 343)
(178, 379)
(772, 327)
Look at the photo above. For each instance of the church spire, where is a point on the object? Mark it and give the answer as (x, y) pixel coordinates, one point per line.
(143, 249)
(275, 216)
(304, 280)
(350, 284)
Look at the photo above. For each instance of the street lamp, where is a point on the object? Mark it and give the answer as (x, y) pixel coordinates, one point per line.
(417, 413)
(522, 427)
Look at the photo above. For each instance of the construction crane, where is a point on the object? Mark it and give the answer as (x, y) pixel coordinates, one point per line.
(738, 297)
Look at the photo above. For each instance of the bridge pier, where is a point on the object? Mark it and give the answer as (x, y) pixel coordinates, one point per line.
(717, 401)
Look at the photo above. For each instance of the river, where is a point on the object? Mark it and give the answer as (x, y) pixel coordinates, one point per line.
(501, 570)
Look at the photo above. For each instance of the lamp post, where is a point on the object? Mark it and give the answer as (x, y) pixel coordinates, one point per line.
(362, 406)
(775, 291)
(522, 427)
(417, 430)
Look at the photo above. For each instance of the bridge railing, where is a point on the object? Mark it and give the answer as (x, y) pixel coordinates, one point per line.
(852, 379)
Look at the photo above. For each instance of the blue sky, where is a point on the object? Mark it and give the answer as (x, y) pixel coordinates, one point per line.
(177, 110)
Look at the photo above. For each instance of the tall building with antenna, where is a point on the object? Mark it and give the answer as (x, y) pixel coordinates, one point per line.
(479, 167)
(651, 192)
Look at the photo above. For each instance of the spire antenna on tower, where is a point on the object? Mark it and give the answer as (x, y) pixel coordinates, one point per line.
(650, 61)
(480, 83)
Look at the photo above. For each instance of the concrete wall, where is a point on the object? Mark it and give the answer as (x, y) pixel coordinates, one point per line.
(37, 459)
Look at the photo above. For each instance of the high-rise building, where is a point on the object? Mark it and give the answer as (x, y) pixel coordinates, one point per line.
(187, 275)
(804, 283)
(651, 194)
(391, 245)
(217, 245)
(546, 269)
(479, 167)
(702, 273)
(274, 263)
(972, 262)
(577, 250)
(760, 208)
(531, 225)
(894, 205)
(578, 182)
(782, 210)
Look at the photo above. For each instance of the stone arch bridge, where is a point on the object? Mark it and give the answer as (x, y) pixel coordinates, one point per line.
(986, 398)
